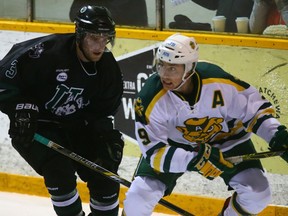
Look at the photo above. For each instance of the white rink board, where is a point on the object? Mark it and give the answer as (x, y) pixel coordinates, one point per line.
(14, 204)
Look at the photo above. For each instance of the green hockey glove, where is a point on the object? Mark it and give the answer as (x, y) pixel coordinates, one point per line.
(210, 162)
(280, 141)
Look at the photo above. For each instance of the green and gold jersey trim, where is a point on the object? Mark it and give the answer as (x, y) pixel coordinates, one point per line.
(225, 81)
(150, 93)
(153, 102)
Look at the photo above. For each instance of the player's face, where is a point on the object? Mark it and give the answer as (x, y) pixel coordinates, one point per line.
(170, 74)
(93, 46)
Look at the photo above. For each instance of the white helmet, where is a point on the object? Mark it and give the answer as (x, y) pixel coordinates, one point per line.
(179, 49)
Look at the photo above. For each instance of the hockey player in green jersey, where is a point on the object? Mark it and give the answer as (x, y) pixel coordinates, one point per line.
(190, 115)
(68, 87)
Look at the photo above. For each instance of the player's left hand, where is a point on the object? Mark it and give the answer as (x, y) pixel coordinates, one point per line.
(280, 141)
(111, 150)
(210, 162)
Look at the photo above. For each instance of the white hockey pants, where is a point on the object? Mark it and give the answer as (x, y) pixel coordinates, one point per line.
(143, 196)
(253, 192)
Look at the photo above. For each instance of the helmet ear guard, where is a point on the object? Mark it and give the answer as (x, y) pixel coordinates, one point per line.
(96, 20)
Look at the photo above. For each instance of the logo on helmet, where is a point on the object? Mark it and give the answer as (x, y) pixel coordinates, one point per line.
(83, 9)
(171, 44)
(192, 44)
(166, 54)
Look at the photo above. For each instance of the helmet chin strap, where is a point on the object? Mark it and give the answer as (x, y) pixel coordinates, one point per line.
(183, 81)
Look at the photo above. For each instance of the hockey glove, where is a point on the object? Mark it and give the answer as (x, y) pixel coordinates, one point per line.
(183, 22)
(23, 124)
(110, 152)
(280, 141)
(210, 162)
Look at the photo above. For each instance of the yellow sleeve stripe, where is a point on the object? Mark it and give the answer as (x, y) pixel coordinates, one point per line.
(198, 89)
(267, 111)
(153, 102)
(157, 158)
(225, 81)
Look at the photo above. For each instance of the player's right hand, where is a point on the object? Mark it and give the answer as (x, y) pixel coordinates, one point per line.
(210, 162)
(110, 150)
(280, 141)
(23, 124)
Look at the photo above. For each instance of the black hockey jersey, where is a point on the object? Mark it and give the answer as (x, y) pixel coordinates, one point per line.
(46, 71)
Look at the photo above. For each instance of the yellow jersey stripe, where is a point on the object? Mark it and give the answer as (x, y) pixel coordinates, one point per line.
(157, 158)
(198, 89)
(153, 102)
(225, 81)
(267, 111)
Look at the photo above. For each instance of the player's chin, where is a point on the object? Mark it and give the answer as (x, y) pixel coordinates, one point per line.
(168, 86)
(96, 56)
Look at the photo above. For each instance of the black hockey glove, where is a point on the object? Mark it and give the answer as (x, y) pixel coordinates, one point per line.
(280, 141)
(183, 22)
(210, 162)
(110, 151)
(23, 124)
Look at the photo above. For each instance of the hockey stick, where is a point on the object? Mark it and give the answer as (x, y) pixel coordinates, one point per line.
(101, 170)
(254, 156)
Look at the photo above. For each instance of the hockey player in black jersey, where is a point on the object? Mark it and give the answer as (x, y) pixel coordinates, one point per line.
(67, 87)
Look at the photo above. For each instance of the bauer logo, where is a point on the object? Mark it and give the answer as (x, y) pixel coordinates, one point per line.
(62, 77)
(172, 44)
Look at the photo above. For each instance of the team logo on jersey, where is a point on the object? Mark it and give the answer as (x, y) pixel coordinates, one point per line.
(138, 107)
(36, 51)
(200, 129)
(67, 100)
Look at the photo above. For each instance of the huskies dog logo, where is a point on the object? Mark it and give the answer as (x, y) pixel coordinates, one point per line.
(200, 129)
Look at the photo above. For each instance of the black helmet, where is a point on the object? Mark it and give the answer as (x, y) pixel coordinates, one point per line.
(94, 19)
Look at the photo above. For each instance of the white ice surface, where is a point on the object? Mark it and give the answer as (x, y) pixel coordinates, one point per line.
(14, 204)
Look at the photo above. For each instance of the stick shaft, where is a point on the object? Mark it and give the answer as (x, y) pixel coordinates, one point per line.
(101, 170)
(254, 156)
